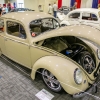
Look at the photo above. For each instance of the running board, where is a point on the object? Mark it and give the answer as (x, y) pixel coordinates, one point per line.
(18, 66)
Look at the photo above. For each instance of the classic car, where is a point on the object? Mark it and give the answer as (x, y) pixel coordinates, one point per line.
(67, 57)
(20, 9)
(62, 12)
(88, 16)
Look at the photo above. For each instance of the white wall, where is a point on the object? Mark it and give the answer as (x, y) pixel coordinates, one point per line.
(46, 4)
(89, 3)
(32, 4)
(86, 3)
(2, 1)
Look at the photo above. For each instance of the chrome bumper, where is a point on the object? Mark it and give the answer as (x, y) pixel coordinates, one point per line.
(91, 90)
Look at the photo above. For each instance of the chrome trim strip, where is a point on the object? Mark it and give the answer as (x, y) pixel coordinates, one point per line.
(17, 41)
(43, 48)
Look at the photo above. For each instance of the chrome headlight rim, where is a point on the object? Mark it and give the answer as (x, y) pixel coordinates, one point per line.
(77, 70)
(98, 53)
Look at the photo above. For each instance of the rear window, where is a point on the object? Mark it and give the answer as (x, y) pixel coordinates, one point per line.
(89, 16)
(74, 15)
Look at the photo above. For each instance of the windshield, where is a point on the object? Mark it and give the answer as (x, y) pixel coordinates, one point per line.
(40, 26)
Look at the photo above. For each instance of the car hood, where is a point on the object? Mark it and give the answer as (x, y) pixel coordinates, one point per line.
(83, 31)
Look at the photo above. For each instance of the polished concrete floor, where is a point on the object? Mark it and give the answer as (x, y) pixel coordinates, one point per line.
(16, 85)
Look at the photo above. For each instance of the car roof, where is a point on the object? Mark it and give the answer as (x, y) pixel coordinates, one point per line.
(87, 10)
(27, 16)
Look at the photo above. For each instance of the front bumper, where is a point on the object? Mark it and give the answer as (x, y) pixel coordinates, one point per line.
(91, 90)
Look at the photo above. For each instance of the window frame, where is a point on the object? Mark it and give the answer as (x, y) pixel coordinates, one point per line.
(74, 13)
(90, 16)
(20, 24)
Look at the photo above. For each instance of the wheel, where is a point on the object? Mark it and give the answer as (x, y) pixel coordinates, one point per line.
(63, 25)
(51, 81)
(86, 61)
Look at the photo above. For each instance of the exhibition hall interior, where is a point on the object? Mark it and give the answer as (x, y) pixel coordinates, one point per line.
(49, 49)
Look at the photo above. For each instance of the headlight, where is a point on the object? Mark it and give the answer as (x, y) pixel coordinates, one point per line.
(78, 76)
(98, 53)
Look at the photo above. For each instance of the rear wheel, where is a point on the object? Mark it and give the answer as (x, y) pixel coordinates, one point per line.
(86, 61)
(51, 81)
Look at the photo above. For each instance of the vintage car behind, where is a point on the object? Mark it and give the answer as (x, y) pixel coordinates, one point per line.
(88, 16)
(62, 12)
(67, 58)
(20, 9)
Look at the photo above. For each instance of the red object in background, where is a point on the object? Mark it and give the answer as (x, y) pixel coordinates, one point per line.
(4, 5)
(33, 34)
(78, 3)
(98, 1)
(59, 4)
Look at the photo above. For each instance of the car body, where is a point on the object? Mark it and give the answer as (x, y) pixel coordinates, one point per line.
(88, 16)
(67, 57)
(20, 9)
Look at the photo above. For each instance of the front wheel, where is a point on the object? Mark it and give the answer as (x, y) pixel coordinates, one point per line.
(51, 81)
(86, 61)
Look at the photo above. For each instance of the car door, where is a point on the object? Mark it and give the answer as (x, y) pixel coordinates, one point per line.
(90, 19)
(2, 35)
(17, 45)
(74, 18)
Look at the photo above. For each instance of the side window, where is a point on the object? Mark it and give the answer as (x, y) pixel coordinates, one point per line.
(35, 28)
(74, 15)
(47, 24)
(1, 25)
(89, 16)
(16, 29)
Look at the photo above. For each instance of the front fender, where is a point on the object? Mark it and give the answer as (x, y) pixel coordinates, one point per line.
(63, 70)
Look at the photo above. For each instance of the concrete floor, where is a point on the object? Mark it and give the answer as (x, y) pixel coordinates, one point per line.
(15, 85)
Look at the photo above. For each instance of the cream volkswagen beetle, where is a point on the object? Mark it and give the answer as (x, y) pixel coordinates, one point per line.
(67, 58)
(88, 16)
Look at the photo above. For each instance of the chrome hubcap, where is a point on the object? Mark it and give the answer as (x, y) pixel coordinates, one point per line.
(50, 80)
(89, 64)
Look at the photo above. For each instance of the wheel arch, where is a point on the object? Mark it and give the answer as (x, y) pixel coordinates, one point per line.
(62, 69)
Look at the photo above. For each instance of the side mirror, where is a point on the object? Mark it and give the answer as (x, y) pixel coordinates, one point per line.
(57, 25)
